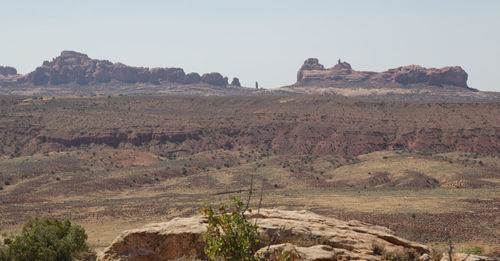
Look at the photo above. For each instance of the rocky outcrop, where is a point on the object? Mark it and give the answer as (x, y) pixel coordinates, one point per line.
(311, 64)
(115, 138)
(309, 236)
(7, 70)
(342, 75)
(214, 79)
(77, 68)
(191, 78)
(339, 142)
(417, 74)
(236, 82)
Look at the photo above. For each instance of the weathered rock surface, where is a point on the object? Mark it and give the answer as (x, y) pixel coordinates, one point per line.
(236, 82)
(214, 79)
(77, 68)
(477, 140)
(7, 70)
(317, 252)
(312, 236)
(342, 75)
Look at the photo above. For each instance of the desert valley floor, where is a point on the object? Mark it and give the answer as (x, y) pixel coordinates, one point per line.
(424, 169)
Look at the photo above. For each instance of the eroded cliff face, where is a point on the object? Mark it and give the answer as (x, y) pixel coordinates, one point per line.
(293, 140)
(342, 75)
(77, 68)
(7, 70)
(288, 126)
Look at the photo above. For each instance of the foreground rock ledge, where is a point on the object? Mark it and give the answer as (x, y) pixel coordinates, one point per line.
(305, 234)
(314, 237)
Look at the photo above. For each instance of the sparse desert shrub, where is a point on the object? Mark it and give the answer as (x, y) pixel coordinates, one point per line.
(436, 255)
(46, 239)
(377, 249)
(397, 255)
(88, 255)
(475, 250)
(230, 235)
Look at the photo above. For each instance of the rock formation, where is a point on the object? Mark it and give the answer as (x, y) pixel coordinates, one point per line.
(342, 75)
(214, 79)
(236, 82)
(311, 64)
(7, 70)
(310, 236)
(77, 68)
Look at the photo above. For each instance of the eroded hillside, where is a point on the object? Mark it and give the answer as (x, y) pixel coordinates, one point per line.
(283, 125)
(124, 161)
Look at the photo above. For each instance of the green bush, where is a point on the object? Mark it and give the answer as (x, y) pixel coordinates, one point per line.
(46, 239)
(229, 236)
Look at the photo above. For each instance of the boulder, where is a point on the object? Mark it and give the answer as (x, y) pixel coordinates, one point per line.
(177, 238)
(317, 252)
(307, 235)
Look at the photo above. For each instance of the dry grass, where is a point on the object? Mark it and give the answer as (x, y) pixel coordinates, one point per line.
(98, 198)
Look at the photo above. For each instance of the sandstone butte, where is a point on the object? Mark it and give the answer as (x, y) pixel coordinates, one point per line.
(307, 235)
(342, 75)
(77, 68)
(6, 71)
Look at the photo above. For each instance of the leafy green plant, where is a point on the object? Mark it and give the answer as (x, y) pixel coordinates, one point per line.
(46, 239)
(230, 235)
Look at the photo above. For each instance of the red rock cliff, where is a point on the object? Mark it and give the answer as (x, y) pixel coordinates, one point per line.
(342, 75)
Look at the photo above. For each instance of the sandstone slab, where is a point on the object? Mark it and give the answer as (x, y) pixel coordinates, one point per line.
(311, 236)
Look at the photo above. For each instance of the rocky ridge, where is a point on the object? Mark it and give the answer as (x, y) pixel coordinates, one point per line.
(472, 140)
(342, 73)
(306, 235)
(288, 125)
(412, 82)
(77, 68)
(7, 71)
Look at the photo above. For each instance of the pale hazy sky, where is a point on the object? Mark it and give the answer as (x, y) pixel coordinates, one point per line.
(263, 41)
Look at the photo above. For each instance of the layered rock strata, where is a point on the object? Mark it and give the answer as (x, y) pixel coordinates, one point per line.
(77, 68)
(342, 75)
